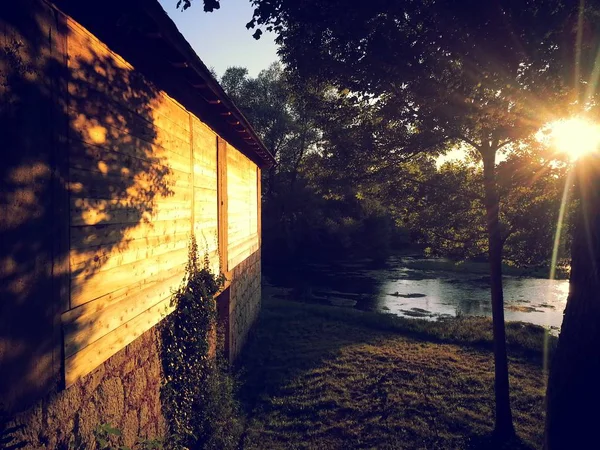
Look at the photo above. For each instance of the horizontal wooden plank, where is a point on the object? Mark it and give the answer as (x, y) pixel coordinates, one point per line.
(241, 238)
(91, 93)
(204, 193)
(203, 134)
(139, 195)
(96, 109)
(207, 208)
(81, 216)
(243, 200)
(135, 156)
(92, 62)
(238, 245)
(204, 158)
(240, 232)
(80, 204)
(235, 259)
(92, 325)
(121, 294)
(95, 235)
(206, 218)
(240, 222)
(141, 187)
(241, 214)
(242, 208)
(239, 235)
(235, 155)
(85, 287)
(100, 258)
(207, 232)
(90, 357)
(145, 120)
(84, 273)
(205, 177)
(100, 159)
(207, 238)
(206, 222)
(173, 143)
(241, 256)
(89, 129)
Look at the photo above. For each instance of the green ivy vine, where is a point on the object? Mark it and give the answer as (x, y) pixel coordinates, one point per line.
(198, 394)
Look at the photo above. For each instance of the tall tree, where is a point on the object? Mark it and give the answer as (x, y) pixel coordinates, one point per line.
(482, 73)
(282, 114)
(573, 393)
(265, 100)
(450, 72)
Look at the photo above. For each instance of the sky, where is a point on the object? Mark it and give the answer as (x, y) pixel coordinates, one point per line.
(220, 38)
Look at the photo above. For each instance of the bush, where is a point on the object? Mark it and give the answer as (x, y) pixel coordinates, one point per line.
(199, 392)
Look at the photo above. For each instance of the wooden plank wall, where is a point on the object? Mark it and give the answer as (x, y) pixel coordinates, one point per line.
(242, 195)
(143, 176)
(206, 206)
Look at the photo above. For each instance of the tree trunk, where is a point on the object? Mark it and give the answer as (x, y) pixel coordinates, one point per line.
(573, 394)
(504, 425)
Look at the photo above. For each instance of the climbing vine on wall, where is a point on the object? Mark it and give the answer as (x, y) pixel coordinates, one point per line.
(198, 394)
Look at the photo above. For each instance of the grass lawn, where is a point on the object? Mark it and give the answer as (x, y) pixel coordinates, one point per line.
(319, 377)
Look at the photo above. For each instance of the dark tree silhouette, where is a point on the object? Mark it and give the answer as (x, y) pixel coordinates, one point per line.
(573, 393)
(451, 73)
(484, 75)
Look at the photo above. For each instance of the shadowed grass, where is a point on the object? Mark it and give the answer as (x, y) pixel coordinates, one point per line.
(324, 377)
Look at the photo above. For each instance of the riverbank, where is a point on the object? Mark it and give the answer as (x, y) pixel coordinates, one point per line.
(483, 268)
(323, 377)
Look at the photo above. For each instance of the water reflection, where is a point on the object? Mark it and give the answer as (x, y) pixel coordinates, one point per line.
(400, 289)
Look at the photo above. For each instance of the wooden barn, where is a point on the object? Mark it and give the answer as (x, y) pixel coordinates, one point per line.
(118, 145)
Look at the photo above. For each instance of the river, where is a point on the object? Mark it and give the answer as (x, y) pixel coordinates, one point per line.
(404, 288)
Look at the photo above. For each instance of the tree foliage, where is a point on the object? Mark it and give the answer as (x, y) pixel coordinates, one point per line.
(282, 116)
(444, 207)
(442, 73)
(317, 200)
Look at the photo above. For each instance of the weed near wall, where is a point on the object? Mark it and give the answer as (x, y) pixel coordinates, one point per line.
(198, 394)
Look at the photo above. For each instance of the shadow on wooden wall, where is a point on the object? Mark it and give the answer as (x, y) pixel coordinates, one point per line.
(80, 169)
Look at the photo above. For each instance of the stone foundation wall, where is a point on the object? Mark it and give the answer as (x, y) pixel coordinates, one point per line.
(124, 391)
(244, 302)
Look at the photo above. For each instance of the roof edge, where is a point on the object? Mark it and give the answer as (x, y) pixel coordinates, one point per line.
(169, 32)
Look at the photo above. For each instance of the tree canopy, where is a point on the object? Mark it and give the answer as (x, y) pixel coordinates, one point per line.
(429, 76)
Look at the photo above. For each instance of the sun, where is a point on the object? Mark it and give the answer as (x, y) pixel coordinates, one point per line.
(575, 136)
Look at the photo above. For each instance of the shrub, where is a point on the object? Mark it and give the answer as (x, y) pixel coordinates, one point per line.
(199, 392)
